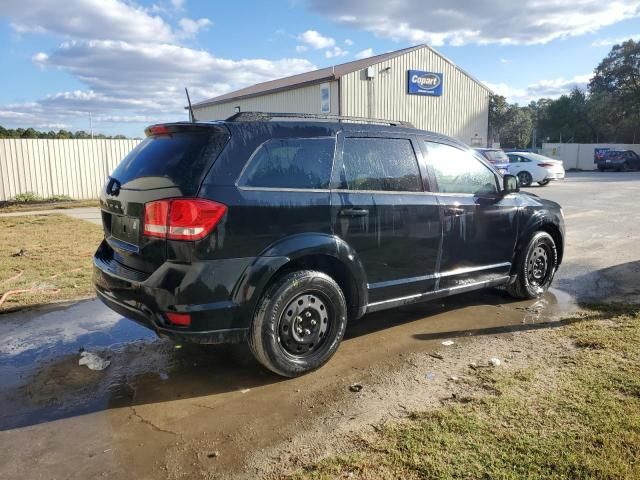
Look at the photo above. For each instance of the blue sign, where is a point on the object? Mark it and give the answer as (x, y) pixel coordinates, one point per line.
(424, 83)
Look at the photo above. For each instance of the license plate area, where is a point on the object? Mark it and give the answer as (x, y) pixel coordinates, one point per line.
(125, 228)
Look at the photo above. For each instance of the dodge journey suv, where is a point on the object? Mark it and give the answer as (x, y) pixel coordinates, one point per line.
(277, 229)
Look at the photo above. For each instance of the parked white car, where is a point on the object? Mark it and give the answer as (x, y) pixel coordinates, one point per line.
(532, 167)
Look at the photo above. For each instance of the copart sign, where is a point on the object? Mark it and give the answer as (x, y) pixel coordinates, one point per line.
(425, 83)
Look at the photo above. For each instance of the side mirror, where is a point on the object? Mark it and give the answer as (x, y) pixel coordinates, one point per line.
(510, 184)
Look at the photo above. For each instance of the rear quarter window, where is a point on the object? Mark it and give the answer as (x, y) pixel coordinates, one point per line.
(298, 163)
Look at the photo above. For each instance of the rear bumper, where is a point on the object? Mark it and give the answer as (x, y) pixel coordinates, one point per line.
(215, 318)
(614, 165)
(555, 176)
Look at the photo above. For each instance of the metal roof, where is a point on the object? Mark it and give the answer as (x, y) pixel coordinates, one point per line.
(316, 76)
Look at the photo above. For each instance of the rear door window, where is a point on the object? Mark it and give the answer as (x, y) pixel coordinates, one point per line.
(299, 163)
(379, 164)
(179, 159)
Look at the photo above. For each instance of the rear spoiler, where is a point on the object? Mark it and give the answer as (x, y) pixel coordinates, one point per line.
(161, 129)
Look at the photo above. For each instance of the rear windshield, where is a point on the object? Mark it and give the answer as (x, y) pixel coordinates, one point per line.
(496, 155)
(180, 159)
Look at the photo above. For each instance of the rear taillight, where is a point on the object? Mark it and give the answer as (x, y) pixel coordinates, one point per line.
(546, 165)
(180, 319)
(182, 218)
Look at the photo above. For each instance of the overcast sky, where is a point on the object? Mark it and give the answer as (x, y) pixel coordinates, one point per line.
(127, 62)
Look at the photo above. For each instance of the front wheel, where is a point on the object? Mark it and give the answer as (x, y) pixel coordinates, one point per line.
(544, 182)
(525, 179)
(299, 323)
(536, 265)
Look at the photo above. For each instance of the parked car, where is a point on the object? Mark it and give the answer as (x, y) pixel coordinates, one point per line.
(277, 231)
(497, 158)
(620, 160)
(532, 167)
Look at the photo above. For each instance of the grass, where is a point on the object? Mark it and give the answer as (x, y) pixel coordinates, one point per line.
(50, 255)
(561, 418)
(53, 203)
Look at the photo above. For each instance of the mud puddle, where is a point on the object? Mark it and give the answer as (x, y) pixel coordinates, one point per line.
(205, 409)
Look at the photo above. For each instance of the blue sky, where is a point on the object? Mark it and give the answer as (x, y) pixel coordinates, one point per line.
(126, 62)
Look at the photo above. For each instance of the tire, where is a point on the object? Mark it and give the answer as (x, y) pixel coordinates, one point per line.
(283, 336)
(624, 167)
(525, 179)
(544, 182)
(530, 283)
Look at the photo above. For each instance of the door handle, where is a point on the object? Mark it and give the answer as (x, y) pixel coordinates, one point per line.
(454, 211)
(353, 212)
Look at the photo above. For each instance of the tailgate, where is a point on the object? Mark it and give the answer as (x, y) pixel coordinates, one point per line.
(170, 163)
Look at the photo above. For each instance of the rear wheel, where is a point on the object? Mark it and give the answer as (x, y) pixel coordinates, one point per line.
(299, 323)
(536, 265)
(525, 179)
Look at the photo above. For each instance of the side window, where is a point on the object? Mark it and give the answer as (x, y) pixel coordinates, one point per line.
(458, 171)
(514, 159)
(384, 164)
(524, 159)
(291, 163)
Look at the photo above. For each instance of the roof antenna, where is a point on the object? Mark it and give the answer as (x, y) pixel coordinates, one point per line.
(192, 117)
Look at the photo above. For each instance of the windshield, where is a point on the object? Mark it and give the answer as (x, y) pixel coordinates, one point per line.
(537, 157)
(497, 156)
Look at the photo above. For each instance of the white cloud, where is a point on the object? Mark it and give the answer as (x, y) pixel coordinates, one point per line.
(316, 40)
(505, 60)
(492, 21)
(131, 64)
(335, 52)
(190, 28)
(128, 81)
(367, 52)
(87, 19)
(178, 4)
(301, 48)
(541, 89)
(348, 42)
(610, 42)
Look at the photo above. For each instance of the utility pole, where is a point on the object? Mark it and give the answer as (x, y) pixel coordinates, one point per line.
(91, 125)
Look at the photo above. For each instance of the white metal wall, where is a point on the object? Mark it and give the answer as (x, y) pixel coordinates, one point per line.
(461, 112)
(47, 167)
(580, 155)
(297, 100)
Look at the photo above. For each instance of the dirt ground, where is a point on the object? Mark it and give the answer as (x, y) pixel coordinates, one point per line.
(159, 411)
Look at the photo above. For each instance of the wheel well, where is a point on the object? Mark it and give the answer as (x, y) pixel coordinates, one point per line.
(332, 267)
(554, 231)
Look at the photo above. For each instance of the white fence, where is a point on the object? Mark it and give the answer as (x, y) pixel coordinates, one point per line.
(580, 155)
(47, 167)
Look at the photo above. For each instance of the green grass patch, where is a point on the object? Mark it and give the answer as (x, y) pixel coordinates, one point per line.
(569, 417)
(45, 258)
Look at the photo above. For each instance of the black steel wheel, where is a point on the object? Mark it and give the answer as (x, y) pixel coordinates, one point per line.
(299, 323)
(525, 179)
(304, 324)
(536, 264)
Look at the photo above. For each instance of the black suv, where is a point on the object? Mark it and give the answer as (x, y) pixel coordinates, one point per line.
(277, 230)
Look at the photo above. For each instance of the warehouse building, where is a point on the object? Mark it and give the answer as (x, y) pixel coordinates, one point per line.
(415, 84)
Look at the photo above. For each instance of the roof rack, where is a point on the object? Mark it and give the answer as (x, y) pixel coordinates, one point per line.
(263, 116)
